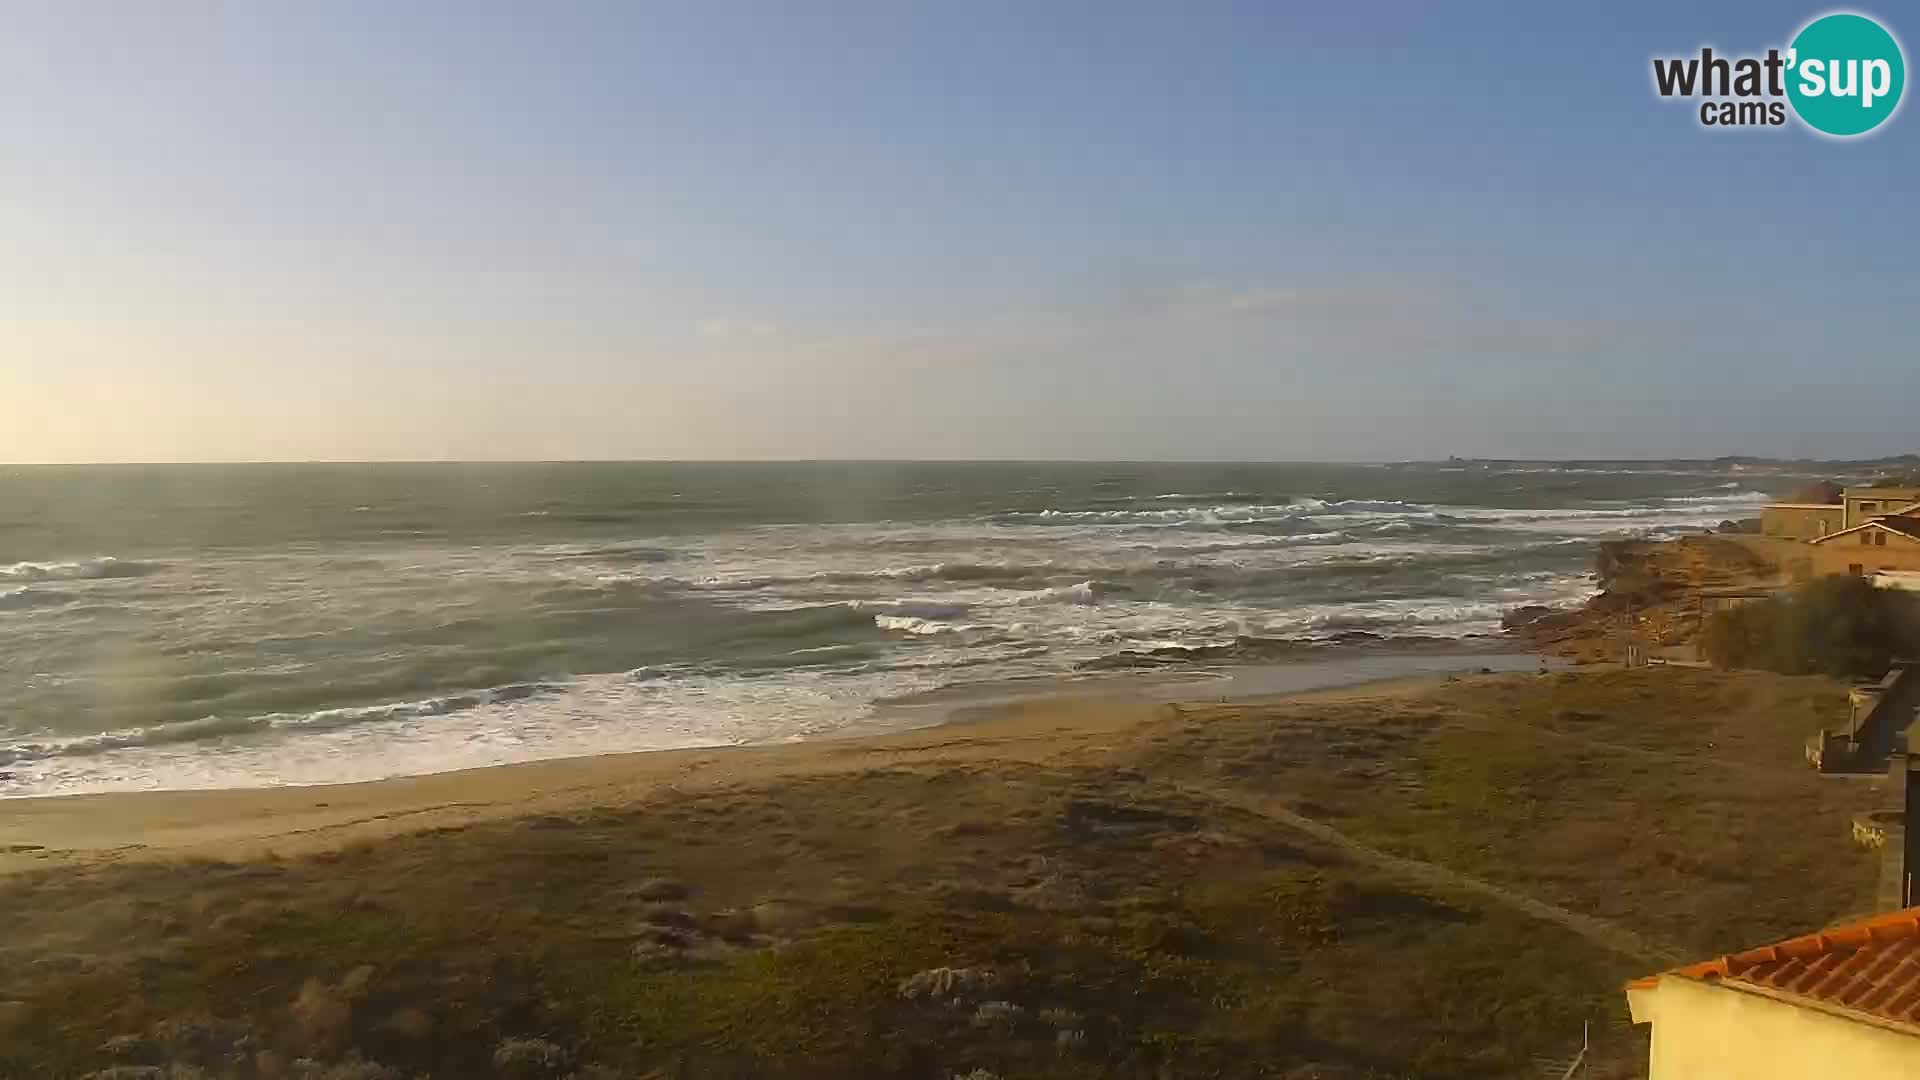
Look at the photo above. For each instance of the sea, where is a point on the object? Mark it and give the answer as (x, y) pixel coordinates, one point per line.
(209, 626)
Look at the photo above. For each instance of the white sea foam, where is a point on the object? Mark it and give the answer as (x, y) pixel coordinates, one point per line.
(1737, 498)
(105, 566)
(911, 609)
(587, 715)
(1224, 513)
(905, 605)
(916, 624)
(217, 727)
(1081, 593)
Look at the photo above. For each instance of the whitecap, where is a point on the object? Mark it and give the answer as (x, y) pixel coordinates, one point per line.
(912, 609)
(105, 566)
(215, 727)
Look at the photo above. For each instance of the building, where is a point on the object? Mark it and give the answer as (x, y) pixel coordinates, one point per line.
(1863, 504)
(1857, 505)
(1843, 1003)
(1801, 521)
(1876, 545)
(1868, 530)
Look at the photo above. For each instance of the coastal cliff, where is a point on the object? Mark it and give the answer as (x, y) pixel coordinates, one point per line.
(1654, 583)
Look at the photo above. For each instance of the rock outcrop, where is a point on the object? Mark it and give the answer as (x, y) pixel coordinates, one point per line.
(1653, 586)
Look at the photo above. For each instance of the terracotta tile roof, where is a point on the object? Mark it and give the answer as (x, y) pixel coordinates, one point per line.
(1870, 967)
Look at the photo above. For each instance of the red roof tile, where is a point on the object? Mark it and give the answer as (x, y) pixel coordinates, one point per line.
(1870, 967)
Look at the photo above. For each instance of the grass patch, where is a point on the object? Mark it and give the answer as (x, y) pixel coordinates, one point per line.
(1118, 912)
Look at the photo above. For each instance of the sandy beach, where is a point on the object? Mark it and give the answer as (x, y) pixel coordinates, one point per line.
(1104, 883)
(1022, 724)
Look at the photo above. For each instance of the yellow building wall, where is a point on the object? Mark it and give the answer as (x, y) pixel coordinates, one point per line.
(1842, 553)
(1707, 1032)
(1799, 521)
(1865, 503)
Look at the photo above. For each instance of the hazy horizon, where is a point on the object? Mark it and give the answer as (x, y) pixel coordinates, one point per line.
(930, 233)
(1443, 459)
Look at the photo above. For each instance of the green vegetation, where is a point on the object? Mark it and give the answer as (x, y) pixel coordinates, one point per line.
(1137, 906)
(1673, 802)
(528, 951)
(1838, 625)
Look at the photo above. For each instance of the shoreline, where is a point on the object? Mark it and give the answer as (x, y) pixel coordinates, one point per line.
(1024, 722)
(463, 730)
(1164, 870)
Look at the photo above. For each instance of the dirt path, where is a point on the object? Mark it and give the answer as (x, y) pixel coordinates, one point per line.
(1608, 936)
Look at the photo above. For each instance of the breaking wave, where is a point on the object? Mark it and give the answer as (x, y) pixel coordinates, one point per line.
(908, 609)
(750, 622)
(1753, 497)
(916, 624)
(106, 566)
(220, 727)
(1219, 513)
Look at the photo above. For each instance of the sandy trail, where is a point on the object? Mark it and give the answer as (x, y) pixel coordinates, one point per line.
(238, 824)
(1607, 935)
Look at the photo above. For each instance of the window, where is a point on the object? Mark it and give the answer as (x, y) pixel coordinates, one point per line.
(1879, 539)
(1856, 570)
(1869, 507)
(1866, 539)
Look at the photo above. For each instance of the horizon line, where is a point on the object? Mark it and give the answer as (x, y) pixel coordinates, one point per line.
(1718, 458)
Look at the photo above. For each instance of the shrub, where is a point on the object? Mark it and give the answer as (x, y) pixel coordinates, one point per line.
(529, 1059)
(946, 984)
(999, 1015)
(1836, 625)
(1824, 491)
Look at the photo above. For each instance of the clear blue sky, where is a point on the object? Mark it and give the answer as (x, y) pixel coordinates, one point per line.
(1363, 231)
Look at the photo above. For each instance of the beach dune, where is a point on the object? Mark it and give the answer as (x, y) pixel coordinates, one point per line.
(37, 833)
(1438, 875)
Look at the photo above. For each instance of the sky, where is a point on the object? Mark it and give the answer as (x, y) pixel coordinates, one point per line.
(837, 229)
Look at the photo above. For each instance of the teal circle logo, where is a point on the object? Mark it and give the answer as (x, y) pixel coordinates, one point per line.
(1845, 74)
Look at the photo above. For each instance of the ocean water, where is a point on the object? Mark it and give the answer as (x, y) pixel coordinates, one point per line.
(224, 626)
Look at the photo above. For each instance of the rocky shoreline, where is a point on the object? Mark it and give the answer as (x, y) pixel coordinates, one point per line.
(1649, 587)
(1652, 586)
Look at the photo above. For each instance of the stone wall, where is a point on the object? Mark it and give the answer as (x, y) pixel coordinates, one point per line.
(1877, 722)
(1899, 833)
(1799, 521)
